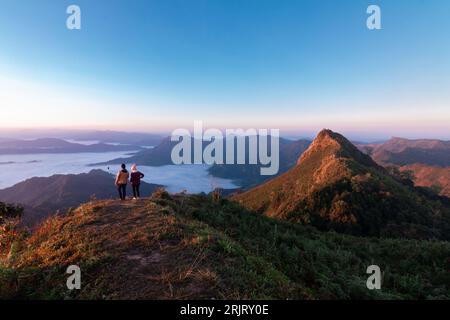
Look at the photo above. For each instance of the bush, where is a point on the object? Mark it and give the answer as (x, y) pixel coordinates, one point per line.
(9, 211)
(161, 194)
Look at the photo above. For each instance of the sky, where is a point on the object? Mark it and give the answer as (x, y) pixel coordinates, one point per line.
(298, 66)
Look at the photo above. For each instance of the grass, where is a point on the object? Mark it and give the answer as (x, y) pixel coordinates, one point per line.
(328, 265)
(200, 247)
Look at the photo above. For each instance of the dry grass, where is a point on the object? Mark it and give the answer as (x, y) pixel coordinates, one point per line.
(191, 247)
(143, 250)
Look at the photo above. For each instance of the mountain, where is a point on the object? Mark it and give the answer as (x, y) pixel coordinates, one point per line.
(434, 177)
(42, 197)
(198, 247)
(245, 175)
(102, 136)
(249, 175)
(336, 186)
(427, 160)
(52, 145)
(400, 151)
(130, 138)
(157, 156)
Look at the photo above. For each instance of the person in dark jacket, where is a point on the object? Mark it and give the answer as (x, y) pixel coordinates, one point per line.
(122, 181)
(135, 180)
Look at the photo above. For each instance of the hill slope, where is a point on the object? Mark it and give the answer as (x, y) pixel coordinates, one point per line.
(42, 197)
(335, 186)
(434, 177)
(248, 175)
(428, 160)
(400, 151)
(192, 247)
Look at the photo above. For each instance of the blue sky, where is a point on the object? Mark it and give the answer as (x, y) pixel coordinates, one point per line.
(295, 65)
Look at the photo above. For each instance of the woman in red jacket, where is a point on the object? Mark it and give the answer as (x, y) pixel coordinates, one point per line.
(135, 180)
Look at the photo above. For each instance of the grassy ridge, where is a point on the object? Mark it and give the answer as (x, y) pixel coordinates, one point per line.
(199, 247)
(330, 265)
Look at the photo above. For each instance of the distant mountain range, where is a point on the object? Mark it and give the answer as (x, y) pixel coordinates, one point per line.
(102, 136)
(130, 138)
(43, 197)
(52, 145)
(160, 155)
(400, 151)
(334, 186)
(245, 175)
(427, 160)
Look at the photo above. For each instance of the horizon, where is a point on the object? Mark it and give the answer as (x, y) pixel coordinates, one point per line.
(157, 66)
(65, 133)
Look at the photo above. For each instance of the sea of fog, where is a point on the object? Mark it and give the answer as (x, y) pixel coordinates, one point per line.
(193, 178)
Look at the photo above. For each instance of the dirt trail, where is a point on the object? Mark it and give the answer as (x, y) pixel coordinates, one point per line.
(153, 257)
(145, 252)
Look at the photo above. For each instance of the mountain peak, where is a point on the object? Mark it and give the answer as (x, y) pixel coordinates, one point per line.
(324, 133)
(331, 187)
(330, 143)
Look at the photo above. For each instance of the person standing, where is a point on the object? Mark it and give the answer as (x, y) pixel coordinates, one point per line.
(135, 180)
(122, 181)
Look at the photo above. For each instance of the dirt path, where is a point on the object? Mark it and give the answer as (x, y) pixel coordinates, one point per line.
(152, 256)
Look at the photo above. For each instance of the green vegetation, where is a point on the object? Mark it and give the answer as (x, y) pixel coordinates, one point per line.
(326, 265)
(204, 247)
(334, 186)
(9, 219)
(375, 205)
